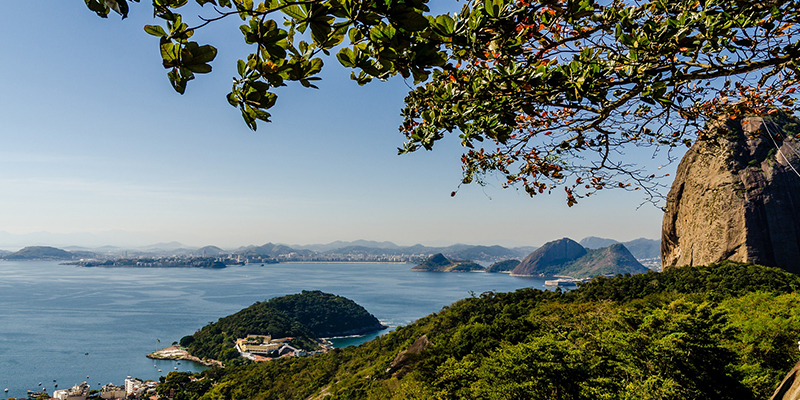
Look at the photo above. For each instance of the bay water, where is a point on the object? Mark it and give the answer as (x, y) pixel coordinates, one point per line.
(64, 324)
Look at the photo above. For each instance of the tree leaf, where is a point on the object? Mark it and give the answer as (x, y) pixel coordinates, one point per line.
(155, 30)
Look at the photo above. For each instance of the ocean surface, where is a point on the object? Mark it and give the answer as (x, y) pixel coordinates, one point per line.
(64, 324)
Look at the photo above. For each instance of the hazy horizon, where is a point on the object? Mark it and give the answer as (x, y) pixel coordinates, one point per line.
(93, 241)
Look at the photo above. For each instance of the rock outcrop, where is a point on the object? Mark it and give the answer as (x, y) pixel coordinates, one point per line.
(789, 389)
(736, 196)
(404, 361)
(565, 257)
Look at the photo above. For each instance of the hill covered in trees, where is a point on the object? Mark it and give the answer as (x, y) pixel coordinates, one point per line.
(304, 317)
(565, 257)
(503, 266)
(723, 331)
(440, 263)
(46, 253)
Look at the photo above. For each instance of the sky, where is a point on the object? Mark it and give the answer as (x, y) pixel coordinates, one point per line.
(95, 141)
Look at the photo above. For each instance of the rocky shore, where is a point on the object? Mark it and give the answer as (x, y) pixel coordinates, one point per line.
(178, 353)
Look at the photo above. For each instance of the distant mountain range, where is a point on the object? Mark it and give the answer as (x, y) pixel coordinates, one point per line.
(359, 250)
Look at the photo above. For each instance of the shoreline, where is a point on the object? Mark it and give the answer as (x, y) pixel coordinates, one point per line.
(178, 353)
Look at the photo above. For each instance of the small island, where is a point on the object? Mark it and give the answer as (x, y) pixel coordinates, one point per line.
(292, 325)
(439, 263)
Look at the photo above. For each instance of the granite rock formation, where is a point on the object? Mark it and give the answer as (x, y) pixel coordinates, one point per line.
(736, 196)
(789, 389)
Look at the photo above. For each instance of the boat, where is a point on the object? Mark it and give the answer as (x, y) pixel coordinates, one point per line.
(6, 390)
(563, 282)
(159, 370)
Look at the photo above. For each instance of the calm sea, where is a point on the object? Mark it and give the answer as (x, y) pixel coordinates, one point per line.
(60, 324)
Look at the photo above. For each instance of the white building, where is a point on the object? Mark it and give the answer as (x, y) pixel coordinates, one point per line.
(77, 392)
(132, 385)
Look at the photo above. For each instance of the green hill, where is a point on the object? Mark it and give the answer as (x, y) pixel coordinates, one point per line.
(503, 266)
(327, 315)
(42, 253)
(440, 263)
(565, 257)
(611, 260)
(305, 317)
(725, 331)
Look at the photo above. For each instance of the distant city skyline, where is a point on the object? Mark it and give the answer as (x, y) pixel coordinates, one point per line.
(96, 142)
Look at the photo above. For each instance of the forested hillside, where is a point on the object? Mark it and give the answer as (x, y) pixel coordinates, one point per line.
(304, 316)
(724, 331)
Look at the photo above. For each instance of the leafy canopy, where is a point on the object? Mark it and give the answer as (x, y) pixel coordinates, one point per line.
(556, 90)
(723, 331)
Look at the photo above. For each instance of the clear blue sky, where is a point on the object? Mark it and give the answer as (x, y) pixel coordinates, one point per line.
(94, 139)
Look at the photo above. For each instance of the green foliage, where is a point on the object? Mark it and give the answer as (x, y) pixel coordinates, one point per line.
(326, 314)
(503, 266)
(717, 281)
(725, 331)
(440, 263)
(555, 89)
(304, 317)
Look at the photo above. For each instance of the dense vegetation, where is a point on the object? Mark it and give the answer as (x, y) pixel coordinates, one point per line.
(503, 266)
(327, 315)
(439, 263)
(305, 317)
(723, 331)
(614, 259)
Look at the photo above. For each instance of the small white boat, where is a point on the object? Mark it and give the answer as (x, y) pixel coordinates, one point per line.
(159, 370)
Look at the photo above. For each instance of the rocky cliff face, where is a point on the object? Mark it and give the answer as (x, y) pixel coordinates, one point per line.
(736, 197)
